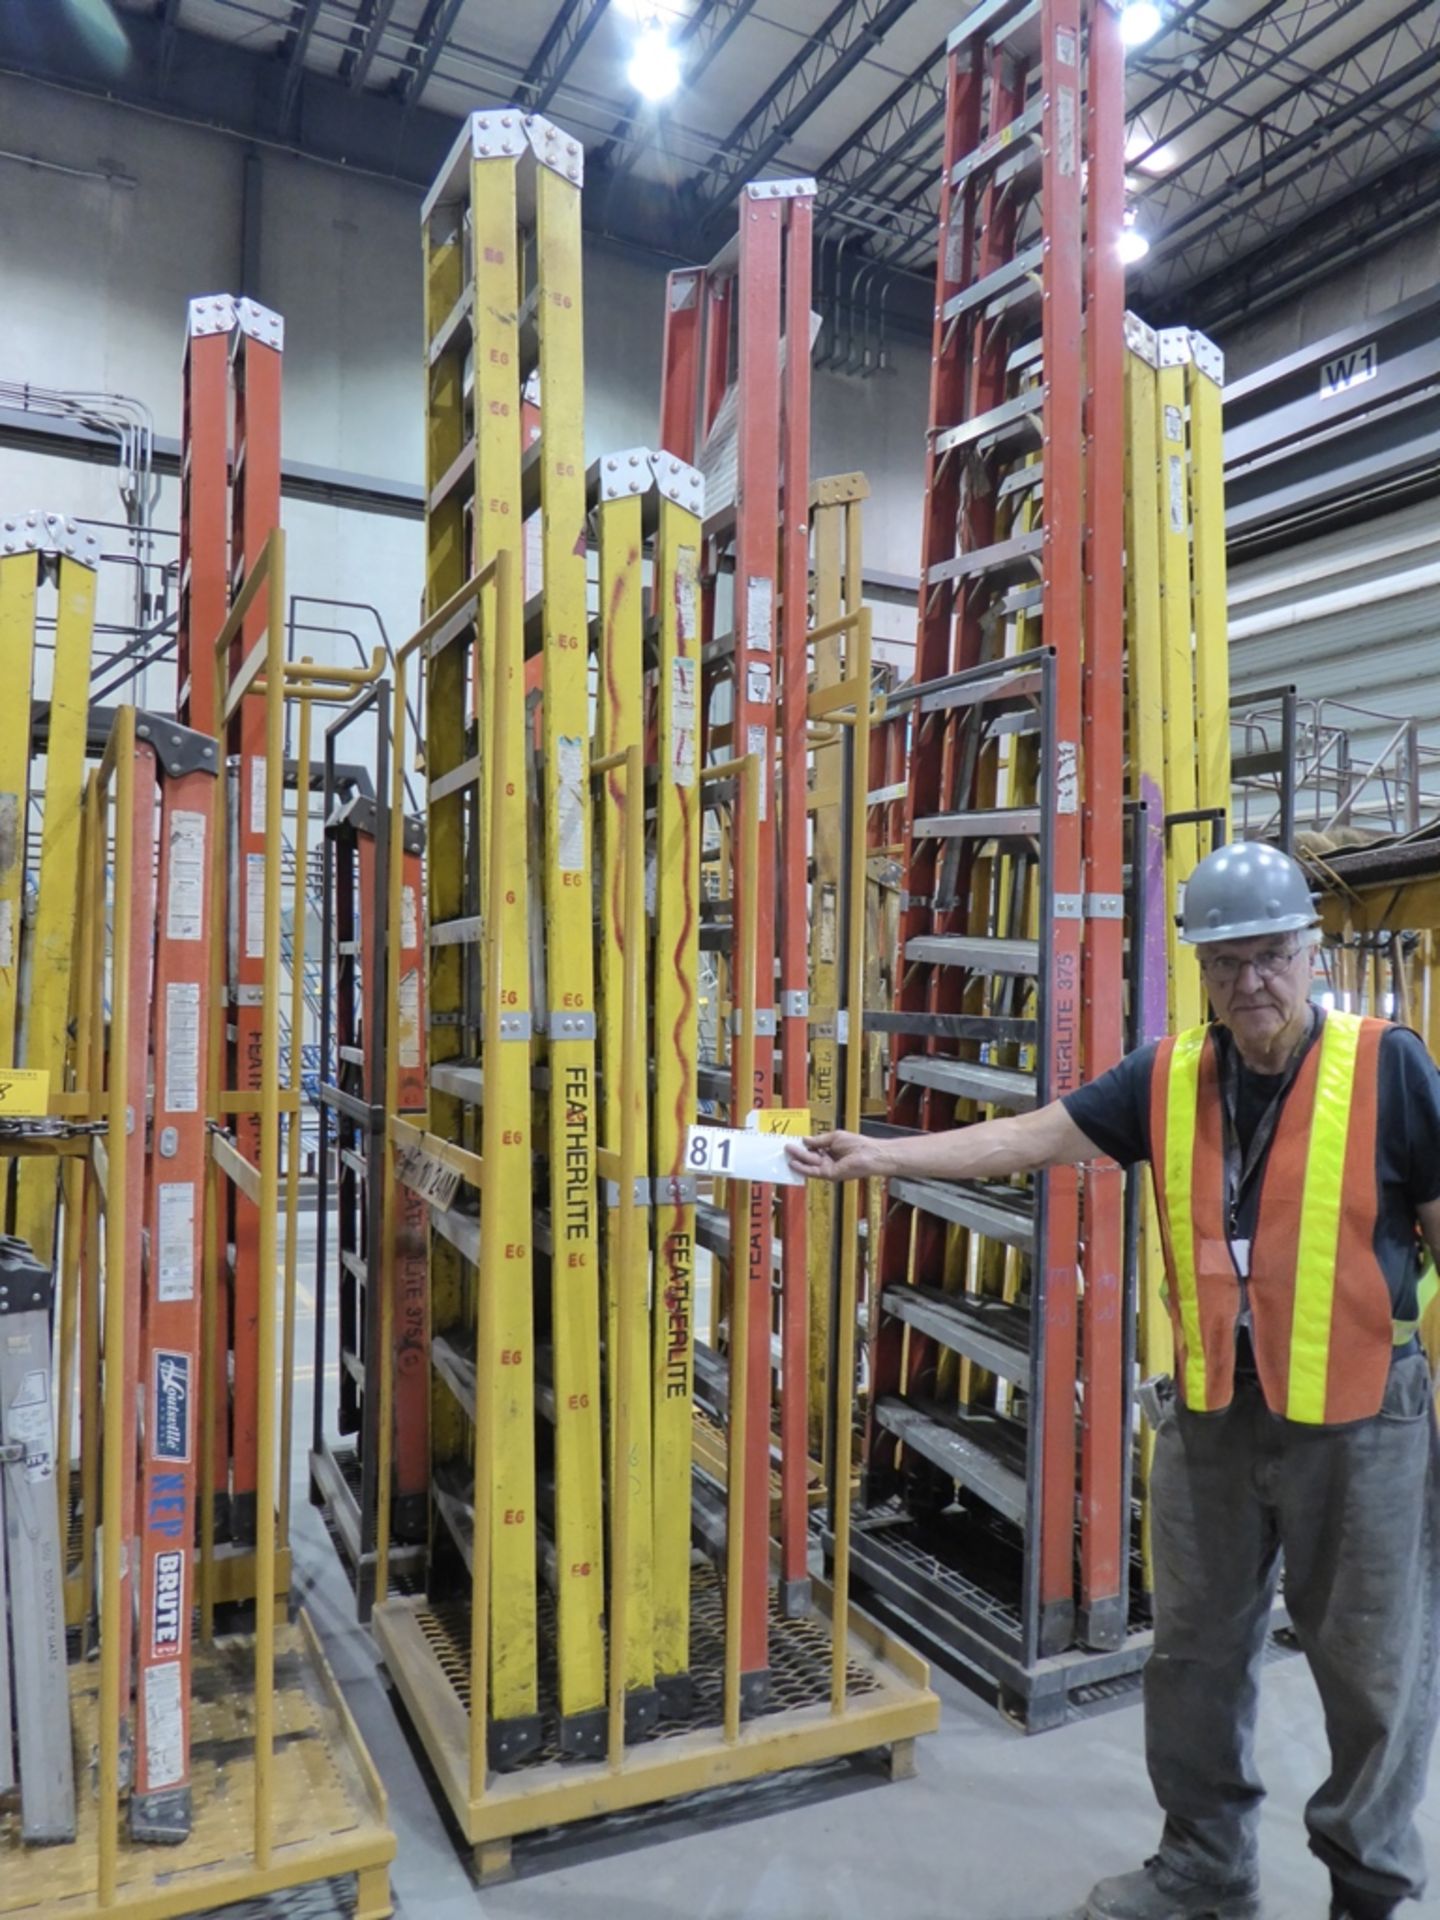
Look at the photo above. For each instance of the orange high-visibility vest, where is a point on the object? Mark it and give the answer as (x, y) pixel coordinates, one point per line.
(1322, 1323)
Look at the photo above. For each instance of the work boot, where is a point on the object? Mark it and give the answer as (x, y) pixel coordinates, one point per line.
(1157, 1892)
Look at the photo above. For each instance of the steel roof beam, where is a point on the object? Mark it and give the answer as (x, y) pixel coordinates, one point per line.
(430, 38)
(369, 30)
(1221, 199)
(837, 48)
(702, 36)
(906, 115)
(1290, 94)
(302, 26)
(169, 32)
(559, 50)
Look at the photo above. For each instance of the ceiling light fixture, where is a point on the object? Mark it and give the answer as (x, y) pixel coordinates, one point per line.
(1132, 245)
(1140, 20)
(655, 65)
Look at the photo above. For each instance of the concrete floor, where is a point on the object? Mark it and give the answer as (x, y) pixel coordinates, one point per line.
(996, 1826)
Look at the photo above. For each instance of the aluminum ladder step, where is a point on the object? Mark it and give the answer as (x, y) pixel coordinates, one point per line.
(980, 823)
(998, 147)
(970, 1080)
(998, 1212)
(992, 286)
(992, 1333)
(1006, 563)
(1014, 422)
(975, 952)
(963, 1456)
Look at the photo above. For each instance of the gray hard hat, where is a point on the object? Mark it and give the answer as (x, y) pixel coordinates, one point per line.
(1243, 890)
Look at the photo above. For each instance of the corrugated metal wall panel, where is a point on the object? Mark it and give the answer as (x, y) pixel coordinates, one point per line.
(1351, 617)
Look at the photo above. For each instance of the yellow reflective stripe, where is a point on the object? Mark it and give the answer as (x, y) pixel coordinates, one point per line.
(1319, 1244)
(1182, 1098)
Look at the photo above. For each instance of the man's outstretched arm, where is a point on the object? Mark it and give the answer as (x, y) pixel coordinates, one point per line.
(991, 1150)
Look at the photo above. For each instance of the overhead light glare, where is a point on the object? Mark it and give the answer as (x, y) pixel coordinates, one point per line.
(655, 65)
(1140, 20)
(1133, 244)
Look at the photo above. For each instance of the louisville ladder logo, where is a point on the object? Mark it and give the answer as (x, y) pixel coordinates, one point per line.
(172, 1406)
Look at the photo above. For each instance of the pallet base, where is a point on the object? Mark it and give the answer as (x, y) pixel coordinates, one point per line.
(332, 1473)
(888, 1704)
(329, 1806)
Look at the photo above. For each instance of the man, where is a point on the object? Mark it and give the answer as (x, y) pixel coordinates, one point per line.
(1296, 1161)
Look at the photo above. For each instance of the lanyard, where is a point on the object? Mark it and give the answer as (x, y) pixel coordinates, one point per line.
(1240, 1169)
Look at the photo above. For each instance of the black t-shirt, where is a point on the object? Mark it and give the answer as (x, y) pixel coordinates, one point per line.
(1114, 1112)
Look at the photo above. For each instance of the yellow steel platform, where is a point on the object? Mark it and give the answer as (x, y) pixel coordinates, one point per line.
(329, 1806)
(888, 1703)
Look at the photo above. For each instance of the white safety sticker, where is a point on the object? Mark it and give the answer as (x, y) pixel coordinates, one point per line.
(1065, 131)
(760, 614)
(175, 1268)
(164, 1727)
(182, 1046)
(570, 768)
(828, 949)
(1174, 424)
(254, 906)
(427, 1175)
(185, 906)
(409, 1036)
(682, 722)
(1177, 493)
(755, 743)
(687, 593)
(1065, 46)
(1067, 777)
(27, 1424)
(258, 778)
(757, 685)
(7, 933)
(409, 918)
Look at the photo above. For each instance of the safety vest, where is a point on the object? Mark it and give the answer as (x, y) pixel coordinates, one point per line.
(1322, 1322)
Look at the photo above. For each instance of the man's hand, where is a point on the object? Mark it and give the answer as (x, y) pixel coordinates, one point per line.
(839, 1156)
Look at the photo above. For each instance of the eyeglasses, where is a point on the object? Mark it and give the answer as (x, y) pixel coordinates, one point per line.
(1225, 968)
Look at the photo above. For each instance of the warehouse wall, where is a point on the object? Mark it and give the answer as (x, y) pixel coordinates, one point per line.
(1392, 274)
(127, 216)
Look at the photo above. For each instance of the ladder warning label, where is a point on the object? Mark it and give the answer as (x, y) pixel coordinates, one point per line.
(570, 767)
(164, 1726)
(257, 793)
(687, 592)
(1177, 493)
(409, 918)
(254, 906)
(1067, 777)
(176, 1234)
(184, 913)
(27, 1424)
(755, 743)
(757, 685)
(7, 933)
(182, 1046)
(682, 722)
(409, 1035)
(168, 1592)
(759, 614)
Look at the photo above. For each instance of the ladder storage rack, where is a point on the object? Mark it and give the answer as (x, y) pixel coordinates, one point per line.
(354, 1042)
(570, 1656)
(1000, 1305)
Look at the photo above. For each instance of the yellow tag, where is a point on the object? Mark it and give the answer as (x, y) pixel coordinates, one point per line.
(25, 1091)
(794, 1122)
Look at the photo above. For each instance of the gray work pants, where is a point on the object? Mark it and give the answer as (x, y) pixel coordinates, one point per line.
(1356, 1512)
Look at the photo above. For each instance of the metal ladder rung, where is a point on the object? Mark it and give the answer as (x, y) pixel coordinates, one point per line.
(456, 1368)
(461, 1230)
(992, 1333)
(978, 952)
(993, 285)
(1028, 477)
(461, 1080)
(464, 932)
(970, 1080)
(1002, 1029)
(712, 1082)
(1011, 23)
(967, 1204)
(1014, 421)
(1004, 563)
(458, 1513)
(984, 823)
(458, 478)
(962, 1456)
(999, 146)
